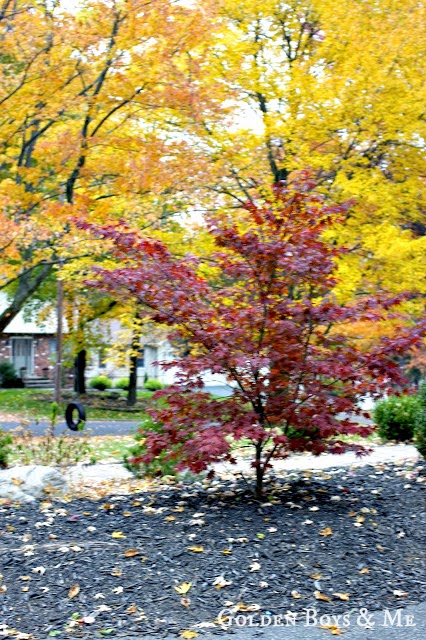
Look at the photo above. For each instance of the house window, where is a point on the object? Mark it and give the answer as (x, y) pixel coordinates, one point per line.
(101, 358)
(52, 346)
(141, 357)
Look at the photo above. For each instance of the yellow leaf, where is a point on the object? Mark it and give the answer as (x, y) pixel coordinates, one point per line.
(321, 596)
(335, 631)
(196, 549)
(131, 553)
(183, 588)
(227, 552)
(127, 514)
(342, 596)
(185, 602)
(188, 634)
(315, 576)
(117, 534)
(17, 481)
(169, 518)
(365, 570)
(326, 532)
(74, 591)
(117, 572)
(179, 509)
(220, 582)
(296, 594)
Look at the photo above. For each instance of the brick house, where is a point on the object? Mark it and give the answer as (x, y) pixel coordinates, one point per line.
(29, 344)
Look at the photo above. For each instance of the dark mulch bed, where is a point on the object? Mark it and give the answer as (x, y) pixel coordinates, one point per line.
(346, 531)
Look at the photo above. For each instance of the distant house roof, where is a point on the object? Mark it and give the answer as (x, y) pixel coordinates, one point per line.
(24, 323)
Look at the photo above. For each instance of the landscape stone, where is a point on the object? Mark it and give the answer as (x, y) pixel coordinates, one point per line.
(28, 483)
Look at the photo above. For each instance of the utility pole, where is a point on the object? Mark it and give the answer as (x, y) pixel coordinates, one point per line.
(59, 339)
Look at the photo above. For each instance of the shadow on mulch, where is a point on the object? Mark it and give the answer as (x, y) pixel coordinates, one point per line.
(334, 540)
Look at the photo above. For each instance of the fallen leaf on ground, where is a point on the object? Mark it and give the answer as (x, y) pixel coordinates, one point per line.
(188, 634)
(220, 582)
(326, 532)
(342, 596)
(335, 631)
(183, 588)
(364, 570)
(117, 534)
(196, 549)
(131, 553)
(118, 590)
(74, 591)
(321, 596)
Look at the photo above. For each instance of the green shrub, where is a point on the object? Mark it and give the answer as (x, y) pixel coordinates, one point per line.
(396, 417)
(420, 428)
(101, 383)
(153, 385)
(5, 441)
(8, 375)
(159, 466)
(122, 383)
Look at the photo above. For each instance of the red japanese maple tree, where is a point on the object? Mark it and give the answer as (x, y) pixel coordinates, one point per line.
(269, 322)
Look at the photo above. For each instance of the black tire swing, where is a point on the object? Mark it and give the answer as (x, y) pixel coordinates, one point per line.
(69, 411)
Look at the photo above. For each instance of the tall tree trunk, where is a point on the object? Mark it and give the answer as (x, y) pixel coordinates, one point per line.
(260, 471)
(133, 380)
(80, 373)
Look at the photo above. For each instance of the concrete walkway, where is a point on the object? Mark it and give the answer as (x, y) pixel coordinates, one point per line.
(381, 453)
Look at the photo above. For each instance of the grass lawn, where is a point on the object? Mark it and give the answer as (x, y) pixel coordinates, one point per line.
(68, 449)
(35, 404)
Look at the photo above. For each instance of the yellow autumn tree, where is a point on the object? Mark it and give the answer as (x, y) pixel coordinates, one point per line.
(337, 88)
(93, 102)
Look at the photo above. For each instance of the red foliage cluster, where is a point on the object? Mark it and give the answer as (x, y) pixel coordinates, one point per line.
(269, 322)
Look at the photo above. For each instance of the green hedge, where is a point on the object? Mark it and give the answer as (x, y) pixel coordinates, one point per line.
(397, 416)
(153, 385)
(101, 383)
(420, 428)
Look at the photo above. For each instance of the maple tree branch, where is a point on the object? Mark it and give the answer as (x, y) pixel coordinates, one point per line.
(42, 263)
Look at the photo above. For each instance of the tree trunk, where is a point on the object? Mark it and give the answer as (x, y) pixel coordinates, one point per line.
(79, 373)
(260, 472)
(133, 381)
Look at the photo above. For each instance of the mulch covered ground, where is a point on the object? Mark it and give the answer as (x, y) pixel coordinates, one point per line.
(169, 560)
